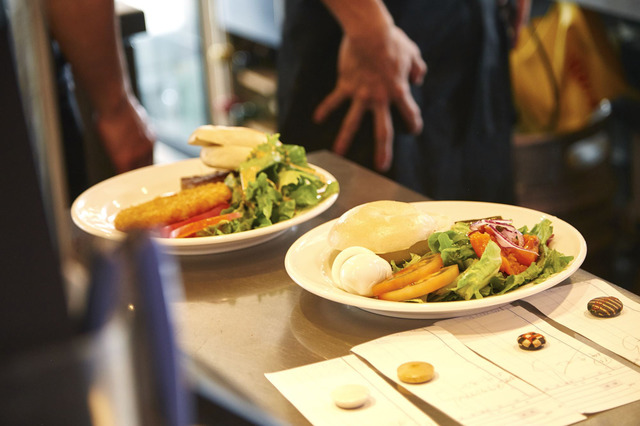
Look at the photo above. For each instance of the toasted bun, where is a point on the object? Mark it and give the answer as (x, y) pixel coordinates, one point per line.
(383, 227)
(225, 147)
(209, 135)
(224, 157)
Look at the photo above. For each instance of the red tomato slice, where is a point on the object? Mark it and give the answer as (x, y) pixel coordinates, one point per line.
(190, 229)
(165, 231)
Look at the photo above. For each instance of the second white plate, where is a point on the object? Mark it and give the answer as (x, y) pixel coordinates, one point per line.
(308, 262)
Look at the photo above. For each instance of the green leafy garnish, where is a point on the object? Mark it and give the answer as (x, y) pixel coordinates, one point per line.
(274, 184)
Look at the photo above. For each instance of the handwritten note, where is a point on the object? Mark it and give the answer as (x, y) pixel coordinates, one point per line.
(568, 306)
(579, 376)
(466, 387)
(309, 389)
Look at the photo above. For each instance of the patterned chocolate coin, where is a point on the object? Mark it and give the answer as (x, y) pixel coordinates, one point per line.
(605, 307)
(531, 341)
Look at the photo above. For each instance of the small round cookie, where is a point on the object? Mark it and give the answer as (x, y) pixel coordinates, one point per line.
(350, 396)
(605, 307)
(531, 341)
(415, 372)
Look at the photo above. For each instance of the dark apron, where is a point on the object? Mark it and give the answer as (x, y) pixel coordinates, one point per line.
(464, 150)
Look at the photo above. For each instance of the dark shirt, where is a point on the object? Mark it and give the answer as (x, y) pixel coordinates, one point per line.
(464, 150)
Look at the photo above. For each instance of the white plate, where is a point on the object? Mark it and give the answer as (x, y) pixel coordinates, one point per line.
(96, 208)
(308, 262)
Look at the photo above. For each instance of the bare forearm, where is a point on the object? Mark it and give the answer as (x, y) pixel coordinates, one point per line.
(88, 35)
(360, 18)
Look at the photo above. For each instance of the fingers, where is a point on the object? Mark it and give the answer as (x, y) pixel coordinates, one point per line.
(383, 125)
(418, 70)
(328, 104)
(350, 125)
(383, 132)
(409, 111)
(383, 137)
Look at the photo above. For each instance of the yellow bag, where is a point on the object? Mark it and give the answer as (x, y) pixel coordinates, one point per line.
(562, 67)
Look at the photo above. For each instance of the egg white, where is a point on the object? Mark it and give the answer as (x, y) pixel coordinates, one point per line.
(361, 272)
(342, 257)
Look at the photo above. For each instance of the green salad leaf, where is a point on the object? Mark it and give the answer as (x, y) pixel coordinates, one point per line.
(453, 245)
(273, 184)
(481, 277)
(476, 277)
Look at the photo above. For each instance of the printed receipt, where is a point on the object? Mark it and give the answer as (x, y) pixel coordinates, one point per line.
(309, 389)
(567, 305)
(466, 387)
(482, 376)
(577, 375)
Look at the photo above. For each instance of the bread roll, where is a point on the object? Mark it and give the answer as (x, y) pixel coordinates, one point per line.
(226, 157)
(225, 147)
(208, 135)
(383, 227)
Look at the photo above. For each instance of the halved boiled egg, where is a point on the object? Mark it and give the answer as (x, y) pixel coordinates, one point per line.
(357, 269)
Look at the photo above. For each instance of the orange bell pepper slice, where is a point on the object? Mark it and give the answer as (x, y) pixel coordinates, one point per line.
(514, 261)
(479, 241)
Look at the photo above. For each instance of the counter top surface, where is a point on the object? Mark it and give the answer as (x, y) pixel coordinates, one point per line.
(242, 316)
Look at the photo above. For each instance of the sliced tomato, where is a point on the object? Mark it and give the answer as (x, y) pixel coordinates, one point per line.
(190, 229)
(165, 231)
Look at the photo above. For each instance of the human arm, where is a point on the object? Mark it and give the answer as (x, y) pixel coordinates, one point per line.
(376, 64)
(522, 15)
(517, 15)
(88, 35)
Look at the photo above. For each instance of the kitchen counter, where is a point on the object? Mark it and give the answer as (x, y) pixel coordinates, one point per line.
(242, 316)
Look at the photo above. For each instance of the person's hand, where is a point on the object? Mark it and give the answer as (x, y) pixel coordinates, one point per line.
(375, 72)
(126, 135)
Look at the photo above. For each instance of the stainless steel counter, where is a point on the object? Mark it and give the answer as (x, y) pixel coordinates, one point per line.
(242, 316)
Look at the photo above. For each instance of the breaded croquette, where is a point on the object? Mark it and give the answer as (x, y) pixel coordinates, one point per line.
(172, 208)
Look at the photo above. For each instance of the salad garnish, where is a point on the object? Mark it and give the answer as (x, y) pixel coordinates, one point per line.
(273, 184)
(493, 258)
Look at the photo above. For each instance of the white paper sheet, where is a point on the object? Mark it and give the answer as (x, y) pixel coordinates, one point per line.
(309, 389)
(568, 306)
(582, 378)
(466, 387)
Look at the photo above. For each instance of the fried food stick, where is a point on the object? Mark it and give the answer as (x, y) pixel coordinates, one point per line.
(172, 208)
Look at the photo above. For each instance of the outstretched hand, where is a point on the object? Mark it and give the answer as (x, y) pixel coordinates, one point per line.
(375, 72)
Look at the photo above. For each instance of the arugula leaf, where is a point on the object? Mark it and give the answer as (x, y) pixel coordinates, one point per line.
(272, 185)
